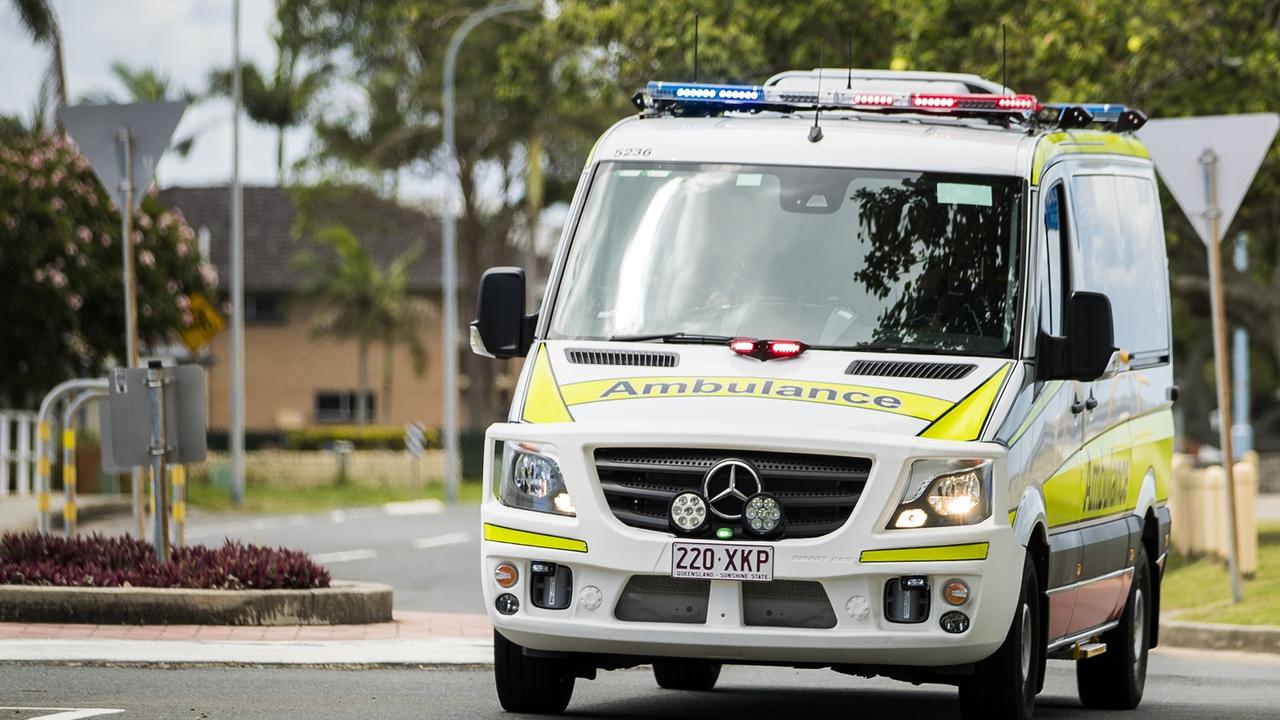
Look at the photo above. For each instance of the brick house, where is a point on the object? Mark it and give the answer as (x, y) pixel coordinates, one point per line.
(291, 379)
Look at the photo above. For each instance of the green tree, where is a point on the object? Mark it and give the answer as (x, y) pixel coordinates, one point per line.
(357, 300)
(282, 101)
(41, 23)
(60, 281)
(396, 50)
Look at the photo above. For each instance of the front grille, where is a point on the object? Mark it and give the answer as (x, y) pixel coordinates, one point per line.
(786, 603)
(635, 358)
(658, 598)
(909, 369)
(817, 492)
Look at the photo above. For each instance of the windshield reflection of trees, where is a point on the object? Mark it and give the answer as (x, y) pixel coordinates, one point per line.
(948, 265)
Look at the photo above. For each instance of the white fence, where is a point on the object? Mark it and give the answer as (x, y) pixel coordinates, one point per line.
(17, 451)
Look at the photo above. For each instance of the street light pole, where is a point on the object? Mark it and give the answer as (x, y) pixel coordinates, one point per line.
(452, 467)
(237, 275)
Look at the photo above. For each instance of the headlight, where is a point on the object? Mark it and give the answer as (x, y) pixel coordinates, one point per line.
(945, 492)
(531, 479)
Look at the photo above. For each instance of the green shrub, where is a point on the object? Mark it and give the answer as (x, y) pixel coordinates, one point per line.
(371, 437)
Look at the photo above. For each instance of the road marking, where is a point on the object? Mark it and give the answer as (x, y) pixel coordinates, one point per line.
(414, 507)
(344, 556)
(454, 538)
(65, 713)
(337, 516)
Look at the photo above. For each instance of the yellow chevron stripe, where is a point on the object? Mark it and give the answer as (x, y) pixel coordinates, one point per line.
(543, 402)
(965, 420)
(511, 536)
(971, 551)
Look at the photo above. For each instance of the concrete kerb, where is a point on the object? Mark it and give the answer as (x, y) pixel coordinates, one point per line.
(344, 603)
(1214, 636)
(19, 514)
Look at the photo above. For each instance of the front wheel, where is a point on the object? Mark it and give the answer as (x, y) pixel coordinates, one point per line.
(1003, 687)
(1115, 679)
(530, 684)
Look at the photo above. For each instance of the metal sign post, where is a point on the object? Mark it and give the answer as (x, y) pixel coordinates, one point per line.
(156, 418)
(158, 449)
(123, 144)
(1222, 377)
(1207, 164)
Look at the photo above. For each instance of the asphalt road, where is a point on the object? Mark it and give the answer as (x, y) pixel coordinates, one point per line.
(428, 552)
(1183, 685)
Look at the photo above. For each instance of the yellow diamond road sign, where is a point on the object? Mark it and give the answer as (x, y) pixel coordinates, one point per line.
(206, 323)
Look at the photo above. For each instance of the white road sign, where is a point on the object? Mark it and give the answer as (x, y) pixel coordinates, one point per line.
(97, 130)
(1179, 145)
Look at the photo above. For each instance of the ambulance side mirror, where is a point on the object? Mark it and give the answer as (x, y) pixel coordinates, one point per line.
(1085, 352)
(501, 329)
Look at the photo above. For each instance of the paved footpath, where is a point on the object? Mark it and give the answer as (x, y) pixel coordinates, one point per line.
(412, 638)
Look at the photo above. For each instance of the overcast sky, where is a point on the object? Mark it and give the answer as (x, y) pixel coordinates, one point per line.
(184, 38)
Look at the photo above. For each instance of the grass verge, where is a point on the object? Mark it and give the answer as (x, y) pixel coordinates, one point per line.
(1201, 590)
(269, 498)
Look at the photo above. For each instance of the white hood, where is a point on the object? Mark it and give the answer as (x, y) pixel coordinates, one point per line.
(713, 384)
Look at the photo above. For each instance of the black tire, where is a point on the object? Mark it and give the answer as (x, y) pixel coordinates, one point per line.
(1003, 687)
(1115, 679)
(685, 674)
(530, 684)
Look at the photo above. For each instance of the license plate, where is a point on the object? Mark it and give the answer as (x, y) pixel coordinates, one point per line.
(720, 561)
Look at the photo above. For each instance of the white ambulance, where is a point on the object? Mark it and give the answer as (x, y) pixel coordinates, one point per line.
(855, 370)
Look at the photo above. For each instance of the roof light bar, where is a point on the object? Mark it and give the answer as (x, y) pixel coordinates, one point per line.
(705, 92)
(763, 98)
(1119, 118)
(975, 103)
(1101, 112)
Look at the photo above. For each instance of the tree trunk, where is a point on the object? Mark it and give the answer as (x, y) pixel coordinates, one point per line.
(280, 156)
(362, 382)
(388, 366)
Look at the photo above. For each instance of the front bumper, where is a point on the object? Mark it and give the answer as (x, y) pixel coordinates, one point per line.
(850, 564)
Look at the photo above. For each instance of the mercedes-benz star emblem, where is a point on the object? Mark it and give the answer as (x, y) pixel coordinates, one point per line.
(728, 484)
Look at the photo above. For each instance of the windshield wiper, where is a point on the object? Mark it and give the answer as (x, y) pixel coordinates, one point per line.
(883, 346)
(681, 338)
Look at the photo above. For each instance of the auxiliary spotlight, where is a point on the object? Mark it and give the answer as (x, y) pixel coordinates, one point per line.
(688, 513)
(762, 516)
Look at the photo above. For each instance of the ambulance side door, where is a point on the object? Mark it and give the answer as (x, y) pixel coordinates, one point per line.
(1057, 456)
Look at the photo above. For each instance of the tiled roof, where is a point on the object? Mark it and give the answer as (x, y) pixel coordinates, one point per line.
(386, 229)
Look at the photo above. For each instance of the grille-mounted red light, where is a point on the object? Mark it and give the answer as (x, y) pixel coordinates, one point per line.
(767, 349)
(785, 348)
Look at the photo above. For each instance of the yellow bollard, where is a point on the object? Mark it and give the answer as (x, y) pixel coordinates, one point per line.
(1246, 477)
(69, 482)
(1180, 502)
(178, 474)
(44, 433)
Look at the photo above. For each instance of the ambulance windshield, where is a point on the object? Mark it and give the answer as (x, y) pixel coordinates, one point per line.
(832, 257)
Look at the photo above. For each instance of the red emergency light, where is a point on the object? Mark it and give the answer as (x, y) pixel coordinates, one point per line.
(767, 349)
(974, 103)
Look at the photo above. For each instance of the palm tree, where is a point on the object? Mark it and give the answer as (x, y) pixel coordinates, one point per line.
(402, 323)
(145, 85)
(283, 101)
(140, 85)
(41, 23)
(357, 300)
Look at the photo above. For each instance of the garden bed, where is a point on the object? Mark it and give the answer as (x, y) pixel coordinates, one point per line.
(116, 580)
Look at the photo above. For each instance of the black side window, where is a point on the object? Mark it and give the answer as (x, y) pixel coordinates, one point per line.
(1121, 253)
(1054, 289)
